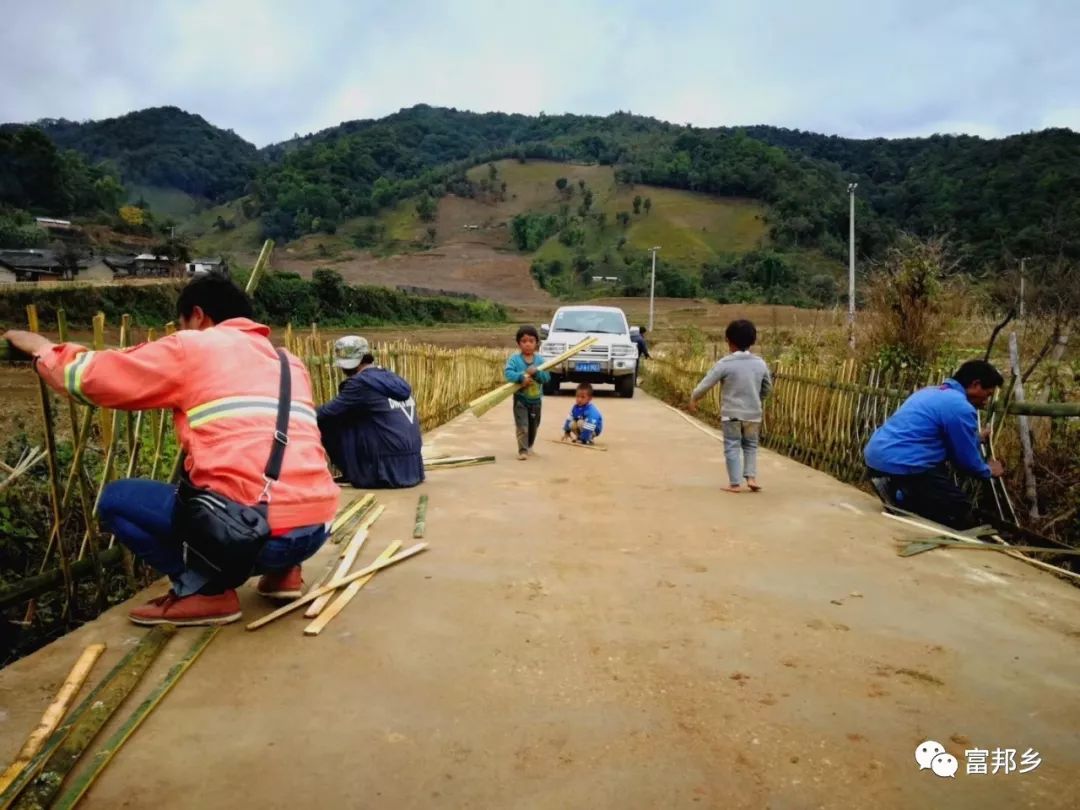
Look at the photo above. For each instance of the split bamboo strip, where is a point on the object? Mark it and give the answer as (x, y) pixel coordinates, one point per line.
(421, 518)
(350, 510)
(345, 563)
(482, 405)
(105, 754)
(346, 596)
(459, 461)
(360, 530)
(333, 586)
(65, 745)
(579, 444)
(53, 714)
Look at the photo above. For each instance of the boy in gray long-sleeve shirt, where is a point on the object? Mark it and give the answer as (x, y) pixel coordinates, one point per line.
(746, 382)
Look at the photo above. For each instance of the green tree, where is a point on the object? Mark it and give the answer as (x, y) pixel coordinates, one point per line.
(624, 218)
(560, 184)
(648, 205)
(493, 173)
(426, 208)
(637, 204)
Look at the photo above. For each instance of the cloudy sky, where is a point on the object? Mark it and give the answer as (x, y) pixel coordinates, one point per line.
(268, 69)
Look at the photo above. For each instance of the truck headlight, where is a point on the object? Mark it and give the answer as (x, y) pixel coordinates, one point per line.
(621, 351)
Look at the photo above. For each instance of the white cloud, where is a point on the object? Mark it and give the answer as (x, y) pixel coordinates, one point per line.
(270, 69)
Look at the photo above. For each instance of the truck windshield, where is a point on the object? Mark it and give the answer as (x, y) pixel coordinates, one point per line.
(608, 323)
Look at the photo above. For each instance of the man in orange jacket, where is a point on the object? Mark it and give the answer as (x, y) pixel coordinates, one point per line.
(220, 377)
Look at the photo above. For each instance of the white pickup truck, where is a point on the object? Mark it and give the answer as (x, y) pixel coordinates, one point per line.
(612, 359)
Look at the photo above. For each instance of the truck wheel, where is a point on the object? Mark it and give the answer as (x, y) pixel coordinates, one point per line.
(551, 387)
(624, 386)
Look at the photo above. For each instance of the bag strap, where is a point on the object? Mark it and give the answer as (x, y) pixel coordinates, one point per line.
(281, 430)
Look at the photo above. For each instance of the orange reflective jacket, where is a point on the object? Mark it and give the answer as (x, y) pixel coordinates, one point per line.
(221, 384)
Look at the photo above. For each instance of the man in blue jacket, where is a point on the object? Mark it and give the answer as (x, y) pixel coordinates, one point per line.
(371, 429)
(935, 427)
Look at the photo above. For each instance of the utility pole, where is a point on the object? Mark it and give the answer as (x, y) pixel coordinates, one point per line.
(652, 287)
(851, 265)
(1022, 262)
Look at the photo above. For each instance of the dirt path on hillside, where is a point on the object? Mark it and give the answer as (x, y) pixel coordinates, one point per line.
(607, 630)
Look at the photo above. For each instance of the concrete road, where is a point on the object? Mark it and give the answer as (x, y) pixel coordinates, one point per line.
(608, 630)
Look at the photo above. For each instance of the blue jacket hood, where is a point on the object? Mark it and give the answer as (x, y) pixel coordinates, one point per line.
(386, 383)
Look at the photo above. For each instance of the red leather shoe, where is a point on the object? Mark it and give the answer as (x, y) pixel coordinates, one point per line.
(186, 611)
(287, 584)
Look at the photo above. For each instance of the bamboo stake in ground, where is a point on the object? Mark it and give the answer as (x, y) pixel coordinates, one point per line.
(54, 714)
(72, 738)
(347, 595)
(421, 518)
(105, 754)
(333, 586)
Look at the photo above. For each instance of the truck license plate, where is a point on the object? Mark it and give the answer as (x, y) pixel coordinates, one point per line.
(588, 367)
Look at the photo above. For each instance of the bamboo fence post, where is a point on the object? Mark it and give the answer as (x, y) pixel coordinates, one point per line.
(1030, 489)
(54, 476)
(104, 414)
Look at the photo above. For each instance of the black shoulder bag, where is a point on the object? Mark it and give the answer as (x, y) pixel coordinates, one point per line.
(220, 537)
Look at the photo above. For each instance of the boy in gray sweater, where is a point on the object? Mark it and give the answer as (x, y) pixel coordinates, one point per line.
(746, 382)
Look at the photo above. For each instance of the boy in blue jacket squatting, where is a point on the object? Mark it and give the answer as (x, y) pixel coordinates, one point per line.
(522, 368)
(585, 422)
(371, 429)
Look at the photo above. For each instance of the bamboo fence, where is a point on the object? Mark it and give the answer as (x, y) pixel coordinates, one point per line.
(821, 413)
(99, 446)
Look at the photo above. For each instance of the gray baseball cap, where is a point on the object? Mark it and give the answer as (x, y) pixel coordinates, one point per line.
(350, 350)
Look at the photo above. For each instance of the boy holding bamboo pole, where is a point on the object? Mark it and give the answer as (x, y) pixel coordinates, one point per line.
(746, 382)
(521, 368)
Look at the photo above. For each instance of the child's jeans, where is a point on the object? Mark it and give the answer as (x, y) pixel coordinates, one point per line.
(526, 423)
(740, 449)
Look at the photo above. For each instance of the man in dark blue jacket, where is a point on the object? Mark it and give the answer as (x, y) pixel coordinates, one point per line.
(371, 429)
(908, 454)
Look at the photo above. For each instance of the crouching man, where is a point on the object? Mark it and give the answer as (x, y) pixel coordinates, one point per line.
(371, 429)
(222, 379)
(910, 456)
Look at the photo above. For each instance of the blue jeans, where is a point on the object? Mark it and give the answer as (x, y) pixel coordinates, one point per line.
(139, 512)
(740, 449)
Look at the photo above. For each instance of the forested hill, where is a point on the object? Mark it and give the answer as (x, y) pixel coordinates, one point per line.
(361, 166)
(165, 147)
(1020, 194)
(998, 199)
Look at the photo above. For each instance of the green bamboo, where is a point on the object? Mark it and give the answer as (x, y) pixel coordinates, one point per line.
(68, 742)
(109, 748)
(421, 518)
